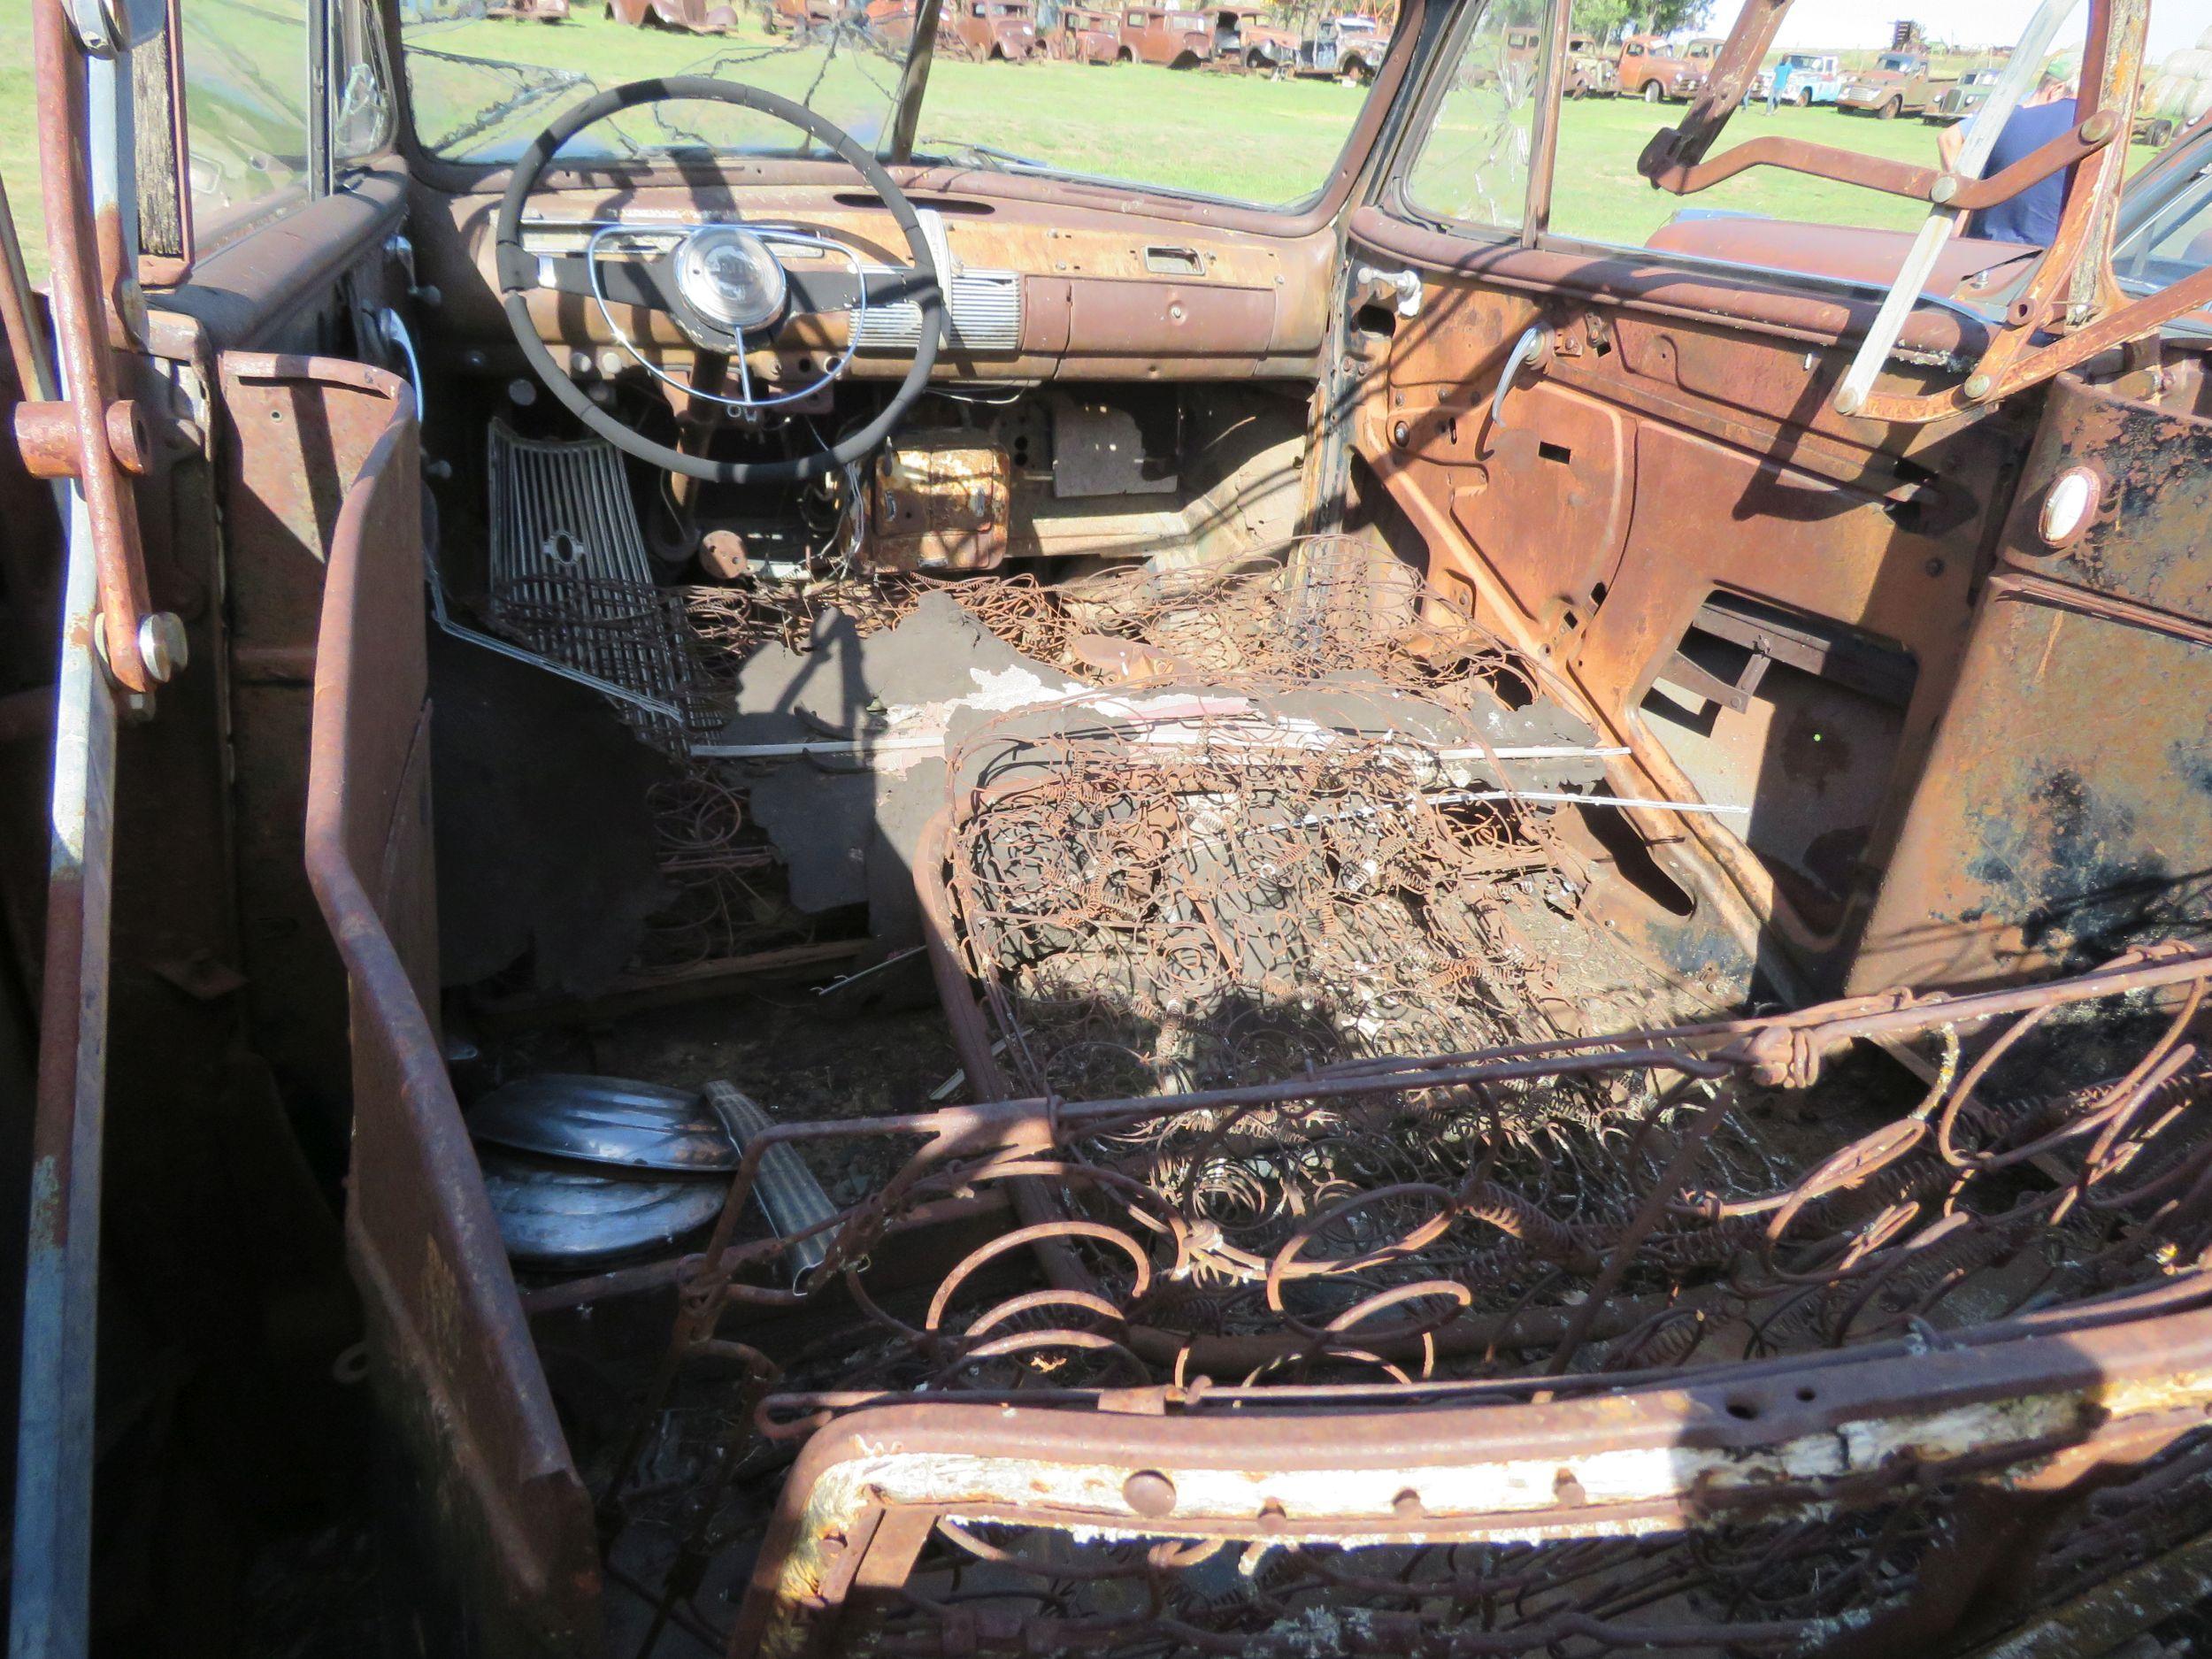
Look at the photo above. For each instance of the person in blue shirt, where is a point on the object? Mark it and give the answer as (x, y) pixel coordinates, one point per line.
(2031, 217)
(1777, 84)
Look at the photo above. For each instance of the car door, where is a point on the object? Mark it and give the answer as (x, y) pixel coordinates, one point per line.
(271, 262)
(1623, 452)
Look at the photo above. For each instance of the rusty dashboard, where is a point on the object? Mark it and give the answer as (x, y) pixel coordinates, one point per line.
(1036, 292)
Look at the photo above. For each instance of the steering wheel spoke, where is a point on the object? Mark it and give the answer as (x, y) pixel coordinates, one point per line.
(814, 293)
(649, 284)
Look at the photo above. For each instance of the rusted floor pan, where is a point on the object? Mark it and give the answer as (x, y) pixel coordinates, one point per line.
(1334, 1273)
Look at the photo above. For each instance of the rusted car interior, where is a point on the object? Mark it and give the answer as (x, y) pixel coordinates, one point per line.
(1534, 899)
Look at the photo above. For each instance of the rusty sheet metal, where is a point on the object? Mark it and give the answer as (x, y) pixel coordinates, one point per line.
(941, 502)
(2143, 539)
(294, 432)
(505, 1549)
(2066, 798)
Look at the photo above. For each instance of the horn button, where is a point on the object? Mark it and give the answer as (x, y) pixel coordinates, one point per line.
(730, 283)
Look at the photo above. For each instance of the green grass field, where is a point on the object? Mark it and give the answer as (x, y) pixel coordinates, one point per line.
(19, 132)
(1234, 135)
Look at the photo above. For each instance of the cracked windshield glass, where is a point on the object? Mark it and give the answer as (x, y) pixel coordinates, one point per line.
(1249, 106)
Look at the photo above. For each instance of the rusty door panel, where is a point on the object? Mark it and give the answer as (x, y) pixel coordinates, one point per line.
(1710, 516)
(290, 445)
(1713, 465)
(2067, 799)
(1564, 461)
(2145, 541)
(1458, 343)
(505, 1557)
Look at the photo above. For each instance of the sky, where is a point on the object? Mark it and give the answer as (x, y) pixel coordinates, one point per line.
(1845, 24)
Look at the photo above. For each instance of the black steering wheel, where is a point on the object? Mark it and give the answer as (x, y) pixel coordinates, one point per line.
(721, 281)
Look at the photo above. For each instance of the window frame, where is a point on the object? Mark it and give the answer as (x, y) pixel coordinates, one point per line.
(1423, 108)
(1389, 193)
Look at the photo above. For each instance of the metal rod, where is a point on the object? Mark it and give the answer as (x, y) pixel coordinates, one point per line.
(49, 1615)
(1981, 136)
(934, 744)
(921, 50)
(26, 341)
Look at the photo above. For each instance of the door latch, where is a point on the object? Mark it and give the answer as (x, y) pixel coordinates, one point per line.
(1401, 287)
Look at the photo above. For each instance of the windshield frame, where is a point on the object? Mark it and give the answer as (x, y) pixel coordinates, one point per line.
(928, 174)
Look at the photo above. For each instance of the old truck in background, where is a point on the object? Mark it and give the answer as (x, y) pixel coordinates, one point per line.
(1166, 36)
(1654, 69)
(989, 31)
(1897, 83)
(695, 17)
(1348, 46)
(1592, 70)
(1078, 35)
(1812, 78)
(1962, 98)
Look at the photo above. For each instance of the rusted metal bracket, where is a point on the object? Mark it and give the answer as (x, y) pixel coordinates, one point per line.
(1685, 144)
(84, 179)
(2072, 291)
(1960, 191)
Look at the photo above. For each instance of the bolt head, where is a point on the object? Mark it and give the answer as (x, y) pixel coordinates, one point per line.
(1978, 387)
(162, 644)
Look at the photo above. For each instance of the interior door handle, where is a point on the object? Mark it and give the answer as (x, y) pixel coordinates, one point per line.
(1525, 352)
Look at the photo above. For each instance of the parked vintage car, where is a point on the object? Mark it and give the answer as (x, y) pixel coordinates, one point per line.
(1348, 48)
(1962, 98)
(1262, 46)
(1164, 34)
(697, 17)
(1592, 71)
(1814, 78)
(989, 31)
(1230, 25)
(1652, 68)
(1081, 36)
(1898, 83)
(530, 11)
